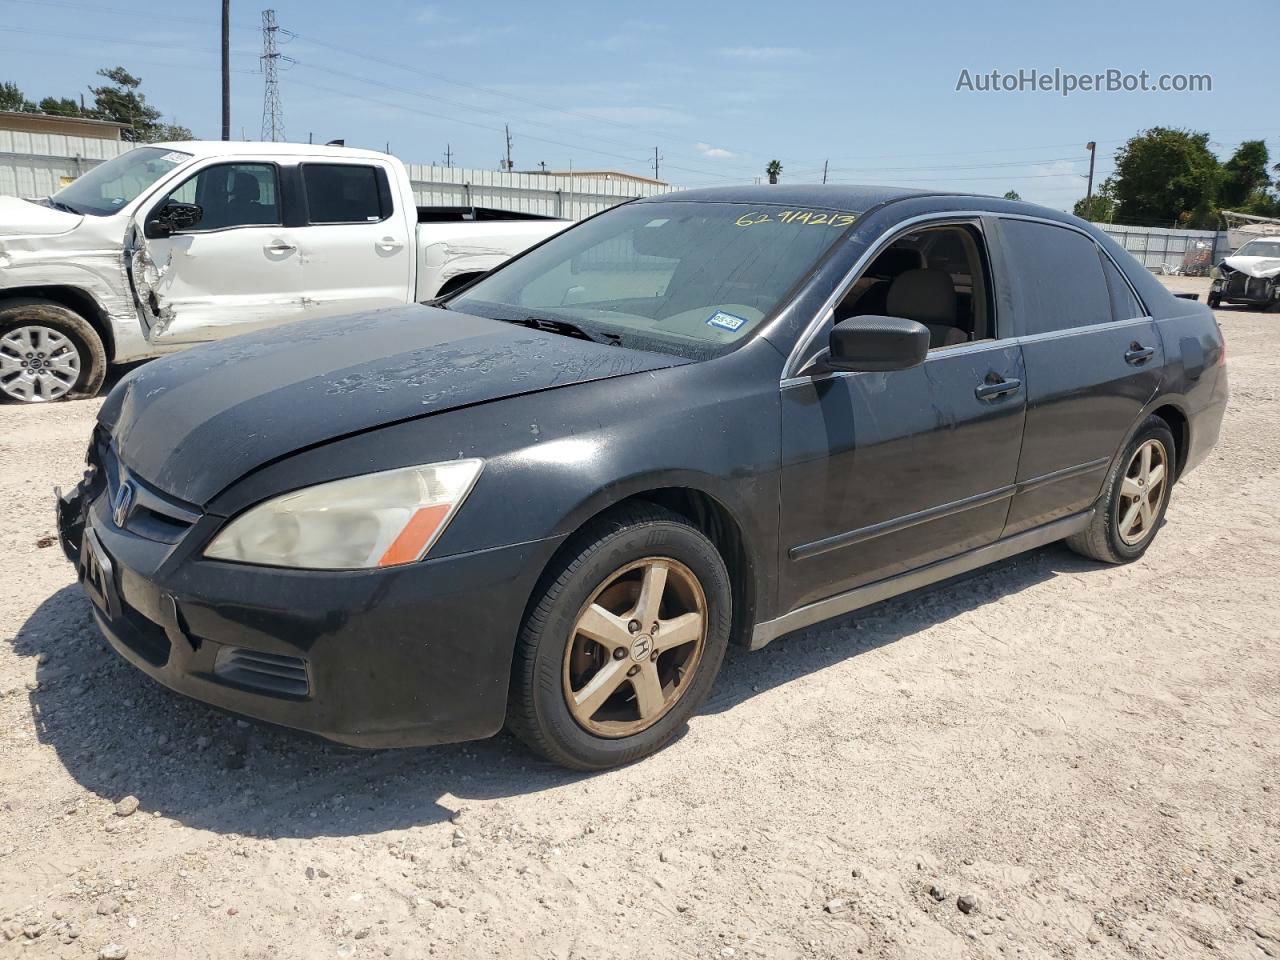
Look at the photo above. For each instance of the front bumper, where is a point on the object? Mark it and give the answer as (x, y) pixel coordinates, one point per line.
(407, 656)
(1240, 288)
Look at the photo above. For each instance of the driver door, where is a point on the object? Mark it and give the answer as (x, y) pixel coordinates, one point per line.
(235, 270)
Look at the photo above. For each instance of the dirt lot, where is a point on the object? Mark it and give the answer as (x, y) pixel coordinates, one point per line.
(1091, 753)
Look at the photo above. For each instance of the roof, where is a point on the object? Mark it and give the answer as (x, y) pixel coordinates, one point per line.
(603, 175)
(59, 116)
(220, 148)
(833, 196)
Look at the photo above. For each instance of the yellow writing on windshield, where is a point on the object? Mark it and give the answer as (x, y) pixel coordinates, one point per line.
(812, 218)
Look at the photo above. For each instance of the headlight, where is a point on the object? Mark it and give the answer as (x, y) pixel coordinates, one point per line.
(378, 520)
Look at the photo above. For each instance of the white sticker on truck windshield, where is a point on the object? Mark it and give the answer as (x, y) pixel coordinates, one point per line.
(725, 321)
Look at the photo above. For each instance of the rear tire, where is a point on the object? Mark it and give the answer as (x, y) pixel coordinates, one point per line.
(589, 703)
(48, 353)
(1134, 500)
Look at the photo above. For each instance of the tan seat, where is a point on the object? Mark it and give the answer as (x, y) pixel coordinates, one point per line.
(928, 297)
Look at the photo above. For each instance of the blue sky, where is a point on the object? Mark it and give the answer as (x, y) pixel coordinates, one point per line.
(721, 88)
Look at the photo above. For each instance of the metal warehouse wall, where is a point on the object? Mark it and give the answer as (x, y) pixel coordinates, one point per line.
(1161, 249)
(33, 165)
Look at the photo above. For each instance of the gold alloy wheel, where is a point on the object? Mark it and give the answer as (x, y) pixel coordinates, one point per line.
(635, 648)
(1142, 491)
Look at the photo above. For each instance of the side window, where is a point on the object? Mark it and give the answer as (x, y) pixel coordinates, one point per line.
(1057, 277)
(1124, 305)
(342, 193)
(232, 195)
(935, 275)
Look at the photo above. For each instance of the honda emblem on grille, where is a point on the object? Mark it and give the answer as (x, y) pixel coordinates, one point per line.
(122, 503)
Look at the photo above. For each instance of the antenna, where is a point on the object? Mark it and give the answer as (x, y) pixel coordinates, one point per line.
(272, 111)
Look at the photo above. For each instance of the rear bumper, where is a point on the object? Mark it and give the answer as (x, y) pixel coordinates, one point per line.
(413, 655)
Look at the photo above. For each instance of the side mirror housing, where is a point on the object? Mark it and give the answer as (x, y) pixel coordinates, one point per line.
(877, 343)
(172, 217)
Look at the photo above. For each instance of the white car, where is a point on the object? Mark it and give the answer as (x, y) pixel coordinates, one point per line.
(1251, 275)
(175, 244)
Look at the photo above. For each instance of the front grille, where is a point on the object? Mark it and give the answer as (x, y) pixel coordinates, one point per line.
(147, 512)
(268, 672)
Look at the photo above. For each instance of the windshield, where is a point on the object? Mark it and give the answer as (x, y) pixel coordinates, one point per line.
(1260, 248)
(109, 186)
(693, 279)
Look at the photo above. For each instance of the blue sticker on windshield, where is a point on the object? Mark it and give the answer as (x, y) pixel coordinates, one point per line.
(726, 321)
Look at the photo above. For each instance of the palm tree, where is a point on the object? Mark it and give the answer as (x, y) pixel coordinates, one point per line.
(774, 170)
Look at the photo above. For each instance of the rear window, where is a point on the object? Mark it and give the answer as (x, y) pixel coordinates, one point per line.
(1057, 277)
(342, 193)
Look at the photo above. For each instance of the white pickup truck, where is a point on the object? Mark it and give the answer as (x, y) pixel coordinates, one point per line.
(174, 244)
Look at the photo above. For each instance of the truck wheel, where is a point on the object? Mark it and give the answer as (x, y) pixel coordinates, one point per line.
(47, 352)
(1214, 301)
(1134, 500)
(622, 642)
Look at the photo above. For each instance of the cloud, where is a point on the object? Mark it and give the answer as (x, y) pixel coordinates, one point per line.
(759, 54)
(714, 153)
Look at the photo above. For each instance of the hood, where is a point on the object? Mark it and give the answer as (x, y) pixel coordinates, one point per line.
(194, 423)
(1261, 267)
(25, 218)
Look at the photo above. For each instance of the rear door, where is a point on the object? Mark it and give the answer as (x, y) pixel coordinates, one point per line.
(1093, 359)
(235, 270)
(356, 247)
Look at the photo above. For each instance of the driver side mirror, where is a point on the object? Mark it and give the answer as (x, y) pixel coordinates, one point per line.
(877, 343)
(172, 217)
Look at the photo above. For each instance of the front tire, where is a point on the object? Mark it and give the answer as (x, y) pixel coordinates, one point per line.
(48, 353)
(1134, 500)
(1214, 301)
(594, 684)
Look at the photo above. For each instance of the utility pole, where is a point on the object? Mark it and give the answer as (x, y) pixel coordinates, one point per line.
(507, 130)
(448, 155)
(1092, 147)
(272, 111)
(824, 171)
(226, 69)
(542, 164)
(656, 158)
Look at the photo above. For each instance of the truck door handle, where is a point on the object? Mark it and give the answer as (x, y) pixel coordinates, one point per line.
(996, 388)
(389, 244)
(1138, 354)
(279, 246)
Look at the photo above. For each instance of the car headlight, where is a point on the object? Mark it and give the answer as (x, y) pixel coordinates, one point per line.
(377, 520)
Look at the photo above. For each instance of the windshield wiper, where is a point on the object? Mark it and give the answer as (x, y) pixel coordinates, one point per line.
(564, 328)
(59, 205)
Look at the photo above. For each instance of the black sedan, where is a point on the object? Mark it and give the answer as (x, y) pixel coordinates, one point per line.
(551, 500)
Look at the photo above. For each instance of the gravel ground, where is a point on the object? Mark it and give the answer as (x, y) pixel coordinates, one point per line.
(1087, 754)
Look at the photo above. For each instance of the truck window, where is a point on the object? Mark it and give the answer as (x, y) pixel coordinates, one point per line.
(342, 193)
(232, 195)
(1057, 277)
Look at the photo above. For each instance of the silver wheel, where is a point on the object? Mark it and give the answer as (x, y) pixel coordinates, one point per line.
(37, 364)
(1142, 492)
(635, 648)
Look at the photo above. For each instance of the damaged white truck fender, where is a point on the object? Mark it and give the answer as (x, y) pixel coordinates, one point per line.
(175, 244)
(1251, 275)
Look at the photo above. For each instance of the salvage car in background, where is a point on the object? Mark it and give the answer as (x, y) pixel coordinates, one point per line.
(1251, 275)
(181, 243)
(554, 500)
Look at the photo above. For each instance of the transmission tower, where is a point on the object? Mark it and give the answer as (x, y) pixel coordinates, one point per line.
(272, 111)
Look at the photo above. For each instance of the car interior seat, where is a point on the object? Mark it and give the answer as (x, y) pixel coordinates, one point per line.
(928, 297)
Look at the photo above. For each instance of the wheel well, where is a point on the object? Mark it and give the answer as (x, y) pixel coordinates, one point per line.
(455, 283)
(1180, 429)
(721, 528)
(75, 299)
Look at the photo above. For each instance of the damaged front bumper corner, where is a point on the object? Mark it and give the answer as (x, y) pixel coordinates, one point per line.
(70, 513)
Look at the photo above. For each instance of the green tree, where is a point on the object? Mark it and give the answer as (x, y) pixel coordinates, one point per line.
(11, 97)
(1167, 176)
(1099, 208)
(122, 101)
(1012, 195)
(1244, 175)
(774, 170)
(60, 107)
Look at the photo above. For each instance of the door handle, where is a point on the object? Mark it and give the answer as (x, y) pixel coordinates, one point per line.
(389, 244)
(279, 246)
(1138, 354)
(996, 388)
